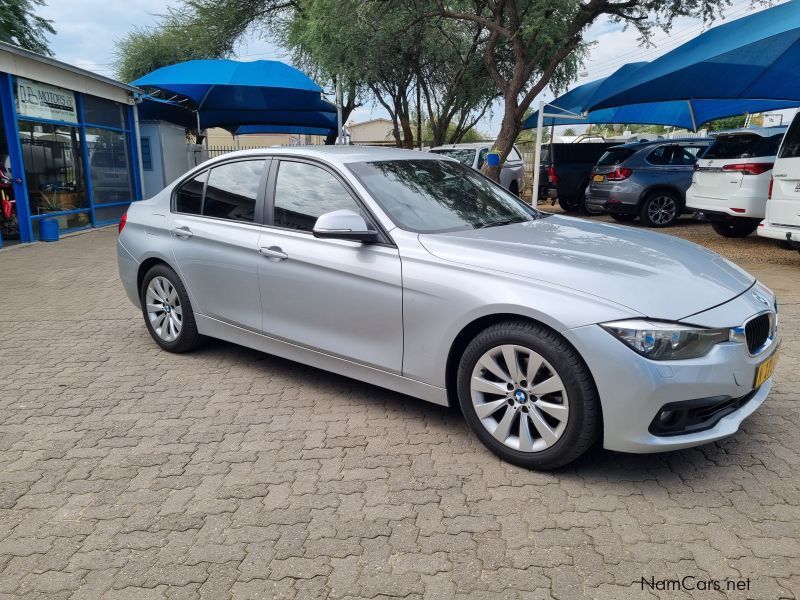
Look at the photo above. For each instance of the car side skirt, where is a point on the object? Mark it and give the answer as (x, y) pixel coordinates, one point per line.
(314, 358)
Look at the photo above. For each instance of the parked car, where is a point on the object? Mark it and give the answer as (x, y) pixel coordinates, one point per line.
(646, 180)
(782, 219)
(512, 175)
(565, 172)
(731, 181)
(410, 271)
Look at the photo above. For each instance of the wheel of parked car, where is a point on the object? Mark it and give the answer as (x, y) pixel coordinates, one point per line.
(582, 201)
(660, 209)
(167, 310)
(569, 205)
(514, 188)
(735, 229)
(528, 396)
(623, 217)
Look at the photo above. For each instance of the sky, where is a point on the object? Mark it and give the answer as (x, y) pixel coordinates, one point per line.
(87, 32)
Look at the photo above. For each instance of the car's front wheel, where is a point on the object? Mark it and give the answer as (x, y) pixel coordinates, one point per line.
(167, 310)
(738, 228)
(528, 396)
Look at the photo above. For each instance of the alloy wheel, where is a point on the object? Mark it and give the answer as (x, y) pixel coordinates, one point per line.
(662, 210)
(164, 308)
(519, 398)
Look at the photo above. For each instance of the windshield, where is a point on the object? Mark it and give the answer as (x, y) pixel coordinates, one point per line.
(427, 196)
(743, 146)
(466, 156)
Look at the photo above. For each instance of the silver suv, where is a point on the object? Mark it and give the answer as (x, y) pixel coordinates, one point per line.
(512, 175)
(647, 180)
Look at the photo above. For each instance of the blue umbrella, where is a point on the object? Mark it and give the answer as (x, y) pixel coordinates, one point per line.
(228, 93)
(752, 58)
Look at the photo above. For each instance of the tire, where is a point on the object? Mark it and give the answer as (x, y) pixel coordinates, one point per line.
(567, 435)
(623, 217)
(514, 188)
(569, 205)
(660, 209)
(582, 202)
(739, 228)
(162, 286)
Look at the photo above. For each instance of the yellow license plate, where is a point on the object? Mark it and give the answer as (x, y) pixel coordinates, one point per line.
(599, 178)
(766, 369)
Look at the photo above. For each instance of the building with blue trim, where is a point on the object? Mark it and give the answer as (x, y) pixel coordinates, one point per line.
(69, 144)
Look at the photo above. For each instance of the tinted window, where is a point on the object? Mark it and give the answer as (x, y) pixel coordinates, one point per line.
(743, 146)
(436, 195)
(615, 156)
(791, 144)
(466, 156)
(684, 155)
(660, 156)
(232, 190)
(100, 111)
(303, 192)
(189, 198)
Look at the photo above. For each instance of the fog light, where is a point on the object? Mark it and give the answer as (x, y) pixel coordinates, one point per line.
(666, 416)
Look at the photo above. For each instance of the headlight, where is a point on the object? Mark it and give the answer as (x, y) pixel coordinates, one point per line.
(666, 341)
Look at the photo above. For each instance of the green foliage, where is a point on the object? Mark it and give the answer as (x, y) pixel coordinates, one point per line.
(726, 123)
(21, 27)
(569, 131)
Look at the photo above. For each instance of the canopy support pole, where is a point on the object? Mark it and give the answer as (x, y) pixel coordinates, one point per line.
(537, 154)
(691, 114)
(339, 124)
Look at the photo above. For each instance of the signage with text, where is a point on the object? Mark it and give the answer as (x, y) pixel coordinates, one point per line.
(43, 101)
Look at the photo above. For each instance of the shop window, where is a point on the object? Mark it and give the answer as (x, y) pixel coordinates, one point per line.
(53, 167)
(99, 111)
(106, 214)
(109, 166)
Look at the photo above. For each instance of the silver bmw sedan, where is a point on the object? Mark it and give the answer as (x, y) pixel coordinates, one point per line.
(409, 271)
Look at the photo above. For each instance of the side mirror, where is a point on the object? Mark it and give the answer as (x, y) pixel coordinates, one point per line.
(343, 225)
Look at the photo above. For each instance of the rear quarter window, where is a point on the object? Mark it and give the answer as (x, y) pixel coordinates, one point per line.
(791, 143)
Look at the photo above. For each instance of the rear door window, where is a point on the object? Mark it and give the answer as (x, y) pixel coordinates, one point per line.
(615, 156)
(791, 143)
(189, 197)
(232, 190)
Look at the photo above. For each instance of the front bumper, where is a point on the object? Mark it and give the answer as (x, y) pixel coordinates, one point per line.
(633, 389)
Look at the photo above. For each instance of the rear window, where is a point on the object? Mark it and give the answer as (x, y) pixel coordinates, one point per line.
(615, 156)
(791, 144)
(743, 146)
(465, 156)
(579, 153)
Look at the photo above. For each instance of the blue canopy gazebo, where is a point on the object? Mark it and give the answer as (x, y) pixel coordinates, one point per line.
(231, 94)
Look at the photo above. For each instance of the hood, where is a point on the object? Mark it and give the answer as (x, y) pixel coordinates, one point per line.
(656, 275)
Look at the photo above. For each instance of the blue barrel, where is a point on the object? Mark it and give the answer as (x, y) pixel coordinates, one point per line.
(48, 230)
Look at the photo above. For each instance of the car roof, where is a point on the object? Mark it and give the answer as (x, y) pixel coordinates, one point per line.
(334, 154)
(760, 131)
(646, 143)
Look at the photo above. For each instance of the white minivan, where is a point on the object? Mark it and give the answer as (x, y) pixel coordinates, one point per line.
(782, 220)
(731, 179)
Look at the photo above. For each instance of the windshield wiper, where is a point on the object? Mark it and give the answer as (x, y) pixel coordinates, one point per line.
(500, 223)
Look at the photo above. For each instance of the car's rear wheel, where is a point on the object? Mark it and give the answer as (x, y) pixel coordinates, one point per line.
(660, 209)
(623, 217)
(528, 396)
(167, 310)
(738, 228)
(514, 188)
(569, 204)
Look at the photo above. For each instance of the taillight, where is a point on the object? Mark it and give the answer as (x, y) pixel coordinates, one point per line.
(749, 168)
(769, 192)
(552, 175)
(619, 174)
(122, 220)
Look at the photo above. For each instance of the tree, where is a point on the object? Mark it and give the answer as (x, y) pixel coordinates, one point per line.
(20, 26)
(532, 44)
(569, 131)
(726, 123)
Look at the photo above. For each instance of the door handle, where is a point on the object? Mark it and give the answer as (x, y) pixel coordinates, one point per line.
(183, 232)
(273, 253)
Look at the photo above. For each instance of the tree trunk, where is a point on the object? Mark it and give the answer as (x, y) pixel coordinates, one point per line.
(408, 133)
(509, 130)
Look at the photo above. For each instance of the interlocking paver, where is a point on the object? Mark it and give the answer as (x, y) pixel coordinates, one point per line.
(126, 472)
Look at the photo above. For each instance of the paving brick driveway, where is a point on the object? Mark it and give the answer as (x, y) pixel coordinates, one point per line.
(129, 472)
